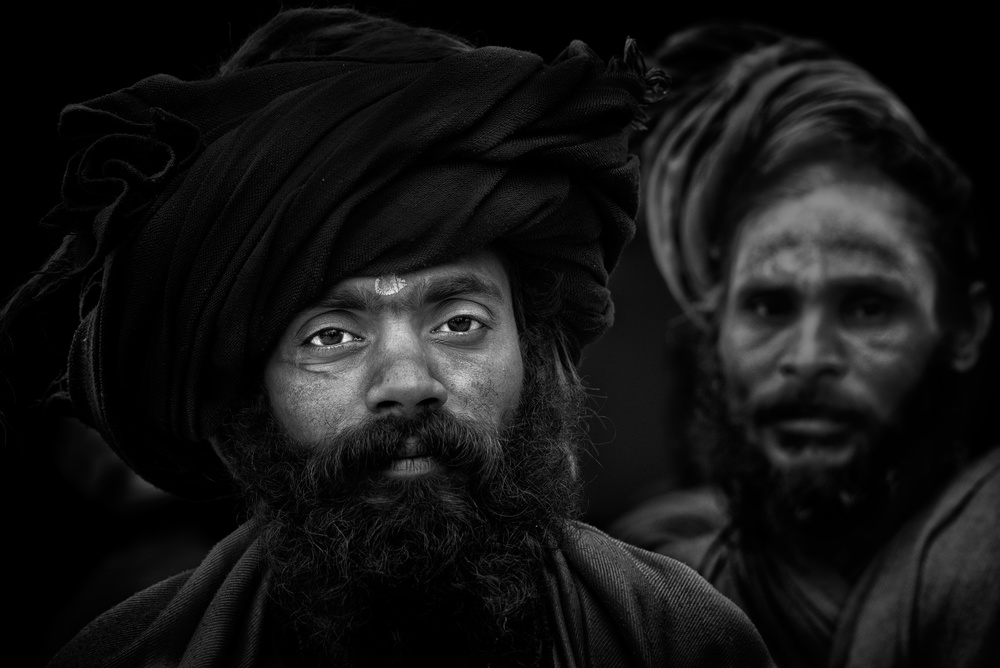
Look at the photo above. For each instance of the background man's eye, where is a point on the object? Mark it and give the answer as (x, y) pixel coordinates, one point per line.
(769, 306)
(867, 309)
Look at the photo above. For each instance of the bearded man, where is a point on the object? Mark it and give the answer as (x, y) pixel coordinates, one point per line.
(353, 272)
(827, 249)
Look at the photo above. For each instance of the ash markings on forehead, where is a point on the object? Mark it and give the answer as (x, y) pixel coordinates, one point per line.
(389, 284)
(811, 256)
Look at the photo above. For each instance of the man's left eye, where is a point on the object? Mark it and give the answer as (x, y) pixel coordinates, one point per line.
(867, 309)
(461, 325)
(331, 336)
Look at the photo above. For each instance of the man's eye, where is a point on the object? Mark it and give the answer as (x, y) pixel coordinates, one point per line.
(331, 337)
(867, 309)
(461, 324)
(769, 306)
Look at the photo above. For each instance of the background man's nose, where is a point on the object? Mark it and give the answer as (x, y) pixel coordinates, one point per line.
(814, 349)
(403, 382)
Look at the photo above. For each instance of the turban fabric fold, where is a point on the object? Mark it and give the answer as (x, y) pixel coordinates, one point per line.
(744, 98)
(208, 213)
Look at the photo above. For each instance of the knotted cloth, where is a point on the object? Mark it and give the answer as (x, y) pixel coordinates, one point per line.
(208, 213)
(745, 101)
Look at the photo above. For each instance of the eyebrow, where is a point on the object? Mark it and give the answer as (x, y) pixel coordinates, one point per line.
(451, 287)
(886, 284)
(431, 291)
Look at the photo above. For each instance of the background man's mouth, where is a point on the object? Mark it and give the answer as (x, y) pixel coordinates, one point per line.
(819, 428)
(808, 440)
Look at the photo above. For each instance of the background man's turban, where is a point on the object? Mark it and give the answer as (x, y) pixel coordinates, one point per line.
(206, 214)
(745, 102)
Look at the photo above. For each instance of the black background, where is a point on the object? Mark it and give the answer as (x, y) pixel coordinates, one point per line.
(941, 62)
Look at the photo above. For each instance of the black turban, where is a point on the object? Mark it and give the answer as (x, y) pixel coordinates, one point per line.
(743, 99)
(208, 213)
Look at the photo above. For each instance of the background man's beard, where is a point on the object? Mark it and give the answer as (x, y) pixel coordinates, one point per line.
(903, 466)
(372, 570)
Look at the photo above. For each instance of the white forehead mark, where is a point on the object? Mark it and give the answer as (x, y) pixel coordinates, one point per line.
(389, 284)
(805, 261)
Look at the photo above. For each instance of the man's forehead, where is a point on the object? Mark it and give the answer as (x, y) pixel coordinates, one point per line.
(860, 252)
(481, 273)
(856, 227)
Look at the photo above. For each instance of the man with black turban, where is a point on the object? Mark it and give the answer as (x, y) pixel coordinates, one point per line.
(351, 275)
(827, 249)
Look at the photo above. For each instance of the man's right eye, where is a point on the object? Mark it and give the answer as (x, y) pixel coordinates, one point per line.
(768, 305)
(331, 337)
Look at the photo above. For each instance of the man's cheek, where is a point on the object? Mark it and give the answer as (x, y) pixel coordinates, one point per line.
(305, 409)
(884, 385)
(736, 376)
(486, 393)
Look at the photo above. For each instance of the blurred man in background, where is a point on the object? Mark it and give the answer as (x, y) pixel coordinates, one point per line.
(830, 253)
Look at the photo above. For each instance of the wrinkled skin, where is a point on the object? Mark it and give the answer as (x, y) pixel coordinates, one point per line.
(830, 319)
(440, 338)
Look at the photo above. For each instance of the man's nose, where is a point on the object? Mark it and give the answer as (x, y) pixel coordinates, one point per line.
(815, 348)
(403, 380)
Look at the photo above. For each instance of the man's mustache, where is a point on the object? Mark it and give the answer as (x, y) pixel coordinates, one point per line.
(800, 400)
(369, 447)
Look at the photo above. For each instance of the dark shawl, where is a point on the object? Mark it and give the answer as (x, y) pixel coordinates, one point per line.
(204, 215)
(611, 605)
(930, 597)
(746, 101)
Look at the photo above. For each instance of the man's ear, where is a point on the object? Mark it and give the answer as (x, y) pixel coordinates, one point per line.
(969, 338)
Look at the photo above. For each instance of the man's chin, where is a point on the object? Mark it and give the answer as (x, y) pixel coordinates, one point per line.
(821, 481)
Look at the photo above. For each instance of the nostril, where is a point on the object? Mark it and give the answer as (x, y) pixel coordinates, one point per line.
(388, 405)
(406, 391)
(825, 366)
(431, 403)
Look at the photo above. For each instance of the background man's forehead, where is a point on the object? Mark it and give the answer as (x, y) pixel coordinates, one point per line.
(861, 222)
(864, 249)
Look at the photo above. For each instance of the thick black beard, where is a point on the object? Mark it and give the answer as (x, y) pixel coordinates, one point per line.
(844, 513)
(448, 568)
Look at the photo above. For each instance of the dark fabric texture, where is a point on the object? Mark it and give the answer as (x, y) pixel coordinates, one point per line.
(618, 605)
(930, 597)
(680, 523)
(735, 88)
(611, 605)
(204, 215)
